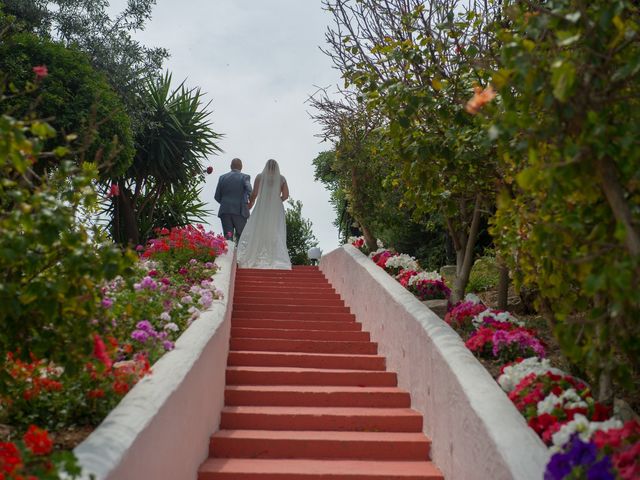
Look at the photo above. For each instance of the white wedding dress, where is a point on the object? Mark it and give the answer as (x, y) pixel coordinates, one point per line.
(263, 243)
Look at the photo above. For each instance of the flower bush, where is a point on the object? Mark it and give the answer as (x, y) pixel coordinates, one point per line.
(460, 316)
(381, 256)
(138, 320)
(428, 286)
(548, 401)
(608, 451)
(395, 264)
(33, 458)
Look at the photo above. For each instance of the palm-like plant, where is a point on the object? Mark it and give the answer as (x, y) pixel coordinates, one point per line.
(168, 162)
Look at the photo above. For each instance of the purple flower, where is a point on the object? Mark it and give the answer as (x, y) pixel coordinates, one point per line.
(106, 302)
(579, 455)
(140, 335)
(168, 345)
(183, 271)
(148, 283)
(145, 325)
(209, 265)
(521, 338)
(193, 261)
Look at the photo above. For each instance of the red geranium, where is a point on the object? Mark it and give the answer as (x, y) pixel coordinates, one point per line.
(10, 459)
(37, 440)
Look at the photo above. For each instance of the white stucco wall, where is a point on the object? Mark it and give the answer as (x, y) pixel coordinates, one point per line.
(476, 431)
(161, 428)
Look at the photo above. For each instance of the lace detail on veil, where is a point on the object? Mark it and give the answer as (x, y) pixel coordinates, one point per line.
(263, 243)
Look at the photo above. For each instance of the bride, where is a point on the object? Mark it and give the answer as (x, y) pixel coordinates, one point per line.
(263, 243)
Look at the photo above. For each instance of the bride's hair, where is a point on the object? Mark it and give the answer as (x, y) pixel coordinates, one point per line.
(271, 167)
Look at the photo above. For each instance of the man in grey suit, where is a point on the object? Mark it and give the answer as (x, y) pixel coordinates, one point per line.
(232, 193)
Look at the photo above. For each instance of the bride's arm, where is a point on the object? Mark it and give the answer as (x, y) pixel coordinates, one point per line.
(284, 191)
(254, 192)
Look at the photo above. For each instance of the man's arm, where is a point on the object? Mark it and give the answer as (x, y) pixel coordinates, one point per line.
(218, 194)
(247, 185)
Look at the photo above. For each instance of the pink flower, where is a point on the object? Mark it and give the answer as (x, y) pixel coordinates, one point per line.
(41, 71)
(114, 190)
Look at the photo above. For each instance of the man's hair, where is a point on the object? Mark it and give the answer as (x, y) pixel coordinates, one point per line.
(236, 164)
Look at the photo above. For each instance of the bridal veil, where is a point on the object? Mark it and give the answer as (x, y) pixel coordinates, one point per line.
(263, 243)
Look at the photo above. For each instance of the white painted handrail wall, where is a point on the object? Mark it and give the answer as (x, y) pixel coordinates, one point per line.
(161, 428)
(476, 431)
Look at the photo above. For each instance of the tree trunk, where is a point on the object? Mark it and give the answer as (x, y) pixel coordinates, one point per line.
(615, 194)
(369, 239)
(503, 284)
(130, 234)
(459, 241)
(463, 278)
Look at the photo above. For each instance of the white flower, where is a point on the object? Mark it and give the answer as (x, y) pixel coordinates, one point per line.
(488, 314)
(165, 316)
(379, 243)
(585, 429)
(473, 298)
(513, 374)
(171, 326)
(353, 239)
(568, 399)
(548, 404)
(402, 261)
(424, 276)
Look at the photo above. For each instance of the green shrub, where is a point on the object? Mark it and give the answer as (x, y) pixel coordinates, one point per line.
(484, 274)
(52, 264)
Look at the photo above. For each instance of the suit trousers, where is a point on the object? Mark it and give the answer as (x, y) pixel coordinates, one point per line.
(232, 223)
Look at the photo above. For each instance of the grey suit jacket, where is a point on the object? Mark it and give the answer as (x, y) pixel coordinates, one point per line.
(232, 193)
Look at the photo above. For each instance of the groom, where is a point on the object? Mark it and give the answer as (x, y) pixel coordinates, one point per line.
(232, 193)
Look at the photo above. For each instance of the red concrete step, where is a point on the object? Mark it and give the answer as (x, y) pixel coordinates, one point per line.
(251, 289)
(296, 325)
(308, 360)
(298, 469)
(263, 307)
(310, 346)
(266, 272)
(322, 317)
(325, 302)
(301, 334)
(322, 418)
(279, 277)
(308, 376)
(284, 297)
(279, 296)
(318, 444)
(287, 282)
(316, 396)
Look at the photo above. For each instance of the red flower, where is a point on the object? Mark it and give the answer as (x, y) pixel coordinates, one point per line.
(95, 393)
(209, 170)
(114, 190)
(38, 441)
(40, 71)
(9, 458)
(100, 351)
(120, 387)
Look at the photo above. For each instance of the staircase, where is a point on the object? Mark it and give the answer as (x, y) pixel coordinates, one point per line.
(307, 396)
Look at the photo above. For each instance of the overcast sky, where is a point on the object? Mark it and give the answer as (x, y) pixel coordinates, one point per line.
(257, 60)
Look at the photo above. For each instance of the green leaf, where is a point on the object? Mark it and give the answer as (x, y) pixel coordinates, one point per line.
(563, 76)
(526, 177)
